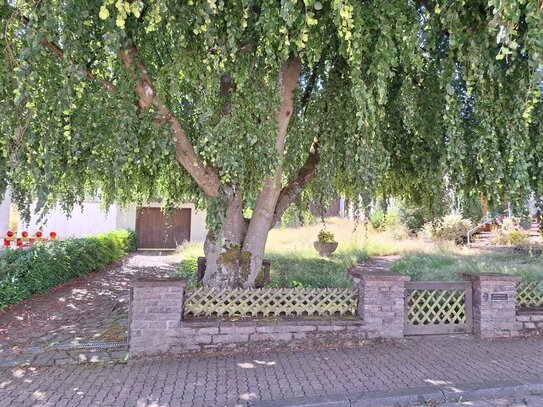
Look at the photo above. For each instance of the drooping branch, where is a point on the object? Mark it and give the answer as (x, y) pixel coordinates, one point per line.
(226, 86)
(297, 184)
(311, 83)
(56, 50)
(205, 177)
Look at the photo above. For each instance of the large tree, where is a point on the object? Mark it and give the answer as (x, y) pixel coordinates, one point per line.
(243, 105)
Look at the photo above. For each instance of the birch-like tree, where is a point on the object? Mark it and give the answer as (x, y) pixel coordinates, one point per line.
(243, 106)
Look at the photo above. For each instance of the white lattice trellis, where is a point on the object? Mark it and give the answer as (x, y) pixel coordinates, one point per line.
(530, 294)
(438, 307)
(265, 302)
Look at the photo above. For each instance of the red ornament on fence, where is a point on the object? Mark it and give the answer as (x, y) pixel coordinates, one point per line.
(25, 240)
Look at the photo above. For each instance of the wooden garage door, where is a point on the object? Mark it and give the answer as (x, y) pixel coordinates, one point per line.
(159, 230)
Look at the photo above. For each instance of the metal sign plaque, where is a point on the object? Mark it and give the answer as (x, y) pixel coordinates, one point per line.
(499, 297)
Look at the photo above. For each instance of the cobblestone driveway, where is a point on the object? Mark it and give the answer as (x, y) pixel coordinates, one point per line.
(90, 309)
(233, 380)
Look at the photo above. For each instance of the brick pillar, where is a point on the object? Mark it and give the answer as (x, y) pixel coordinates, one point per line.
(381, 303)
(156, 310)
(494, 304)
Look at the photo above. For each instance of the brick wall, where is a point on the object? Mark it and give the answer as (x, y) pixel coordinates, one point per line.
(530, 322)
(156, 324)
(206, 334)
(494, 305)
(381, 303)
(156, 309)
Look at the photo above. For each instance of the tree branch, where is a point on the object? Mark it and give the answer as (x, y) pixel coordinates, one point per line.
(205, 177)
(296, 184)
(255, 239)
(312, 82)
(56, 50)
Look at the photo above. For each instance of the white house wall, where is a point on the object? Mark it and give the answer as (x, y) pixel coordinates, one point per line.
(126, 217)
(85, 220)
(90, 219)
(198, 230)
(4, 213)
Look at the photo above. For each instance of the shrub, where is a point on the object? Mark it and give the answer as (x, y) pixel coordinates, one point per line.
(511, 233)
(25, 272)
(427, 231)
(412, 218)
(392, 220)
(449, 228)
(400, 232)
(377, 220)
(511, 237)
(188, 269)
(295, 216)
(325, 237)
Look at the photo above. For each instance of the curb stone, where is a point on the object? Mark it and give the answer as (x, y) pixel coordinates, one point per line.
(400, 397)
(491, 390)
(407, 397)
(315, 401)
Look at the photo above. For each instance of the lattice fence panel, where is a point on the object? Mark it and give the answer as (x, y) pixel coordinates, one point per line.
(265, 302)
(435, 306)
(530, 294)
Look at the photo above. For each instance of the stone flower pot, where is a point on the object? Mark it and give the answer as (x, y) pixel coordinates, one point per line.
(325, 248)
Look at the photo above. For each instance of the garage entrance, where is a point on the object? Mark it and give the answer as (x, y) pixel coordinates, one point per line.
(159, 230)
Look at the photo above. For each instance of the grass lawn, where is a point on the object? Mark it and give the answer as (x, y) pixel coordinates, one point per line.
(447, 264)
(295, 262)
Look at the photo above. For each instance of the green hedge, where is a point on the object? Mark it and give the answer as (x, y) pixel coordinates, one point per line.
(25, 272)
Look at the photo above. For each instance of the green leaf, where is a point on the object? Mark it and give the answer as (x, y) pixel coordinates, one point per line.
(104, 13)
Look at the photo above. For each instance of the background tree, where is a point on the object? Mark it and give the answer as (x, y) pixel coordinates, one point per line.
(241, 105)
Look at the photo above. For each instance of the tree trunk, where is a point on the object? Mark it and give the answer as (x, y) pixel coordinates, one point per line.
(223, 248)
(231, 254)
(257, 232)
(235, 257)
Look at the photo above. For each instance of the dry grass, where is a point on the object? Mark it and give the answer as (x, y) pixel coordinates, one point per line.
(448, 263)
(295, 263)
(347, 233)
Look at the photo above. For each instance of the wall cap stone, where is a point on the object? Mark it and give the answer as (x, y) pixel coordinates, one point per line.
(490, 277)
(530, 311)
(208, 323)
(158, 282)
(381, 276)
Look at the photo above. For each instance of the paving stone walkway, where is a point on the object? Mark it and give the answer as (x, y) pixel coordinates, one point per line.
(90, 312)
(249, 379)
(376, 264)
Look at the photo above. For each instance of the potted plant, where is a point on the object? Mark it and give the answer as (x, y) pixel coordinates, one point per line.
(325, 244)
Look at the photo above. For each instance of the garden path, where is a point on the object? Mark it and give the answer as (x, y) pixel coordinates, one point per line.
(376, 264)
(89, 311)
